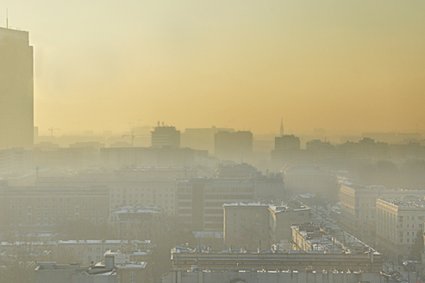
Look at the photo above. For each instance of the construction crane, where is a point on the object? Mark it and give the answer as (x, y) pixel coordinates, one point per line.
(52, 131)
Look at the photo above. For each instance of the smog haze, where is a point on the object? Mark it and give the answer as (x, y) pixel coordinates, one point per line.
(344, 66)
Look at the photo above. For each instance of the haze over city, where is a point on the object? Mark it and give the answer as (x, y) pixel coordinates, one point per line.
(212, 142)
(343, 66)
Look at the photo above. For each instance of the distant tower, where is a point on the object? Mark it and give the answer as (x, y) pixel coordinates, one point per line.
(282, 132)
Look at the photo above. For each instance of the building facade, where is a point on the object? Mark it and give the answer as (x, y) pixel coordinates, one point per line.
(165, 136)
(399, 224)
(199, 201)
(16, 89)
(136, 222)
(247, 226)
(359, 207)
(284, 216)
(38, 208)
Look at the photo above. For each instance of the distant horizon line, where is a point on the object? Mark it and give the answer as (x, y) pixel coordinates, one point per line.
(326, 133)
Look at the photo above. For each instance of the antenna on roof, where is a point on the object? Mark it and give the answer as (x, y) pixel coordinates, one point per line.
(282, 131)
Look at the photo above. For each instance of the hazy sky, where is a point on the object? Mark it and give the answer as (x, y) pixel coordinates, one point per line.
(342, 65)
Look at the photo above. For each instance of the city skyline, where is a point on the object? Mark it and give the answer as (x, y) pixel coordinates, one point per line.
(241, 141)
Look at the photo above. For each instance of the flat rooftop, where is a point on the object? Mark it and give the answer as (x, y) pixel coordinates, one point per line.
(405, 203)
(322, 241)
(246, 204)
(14, 34)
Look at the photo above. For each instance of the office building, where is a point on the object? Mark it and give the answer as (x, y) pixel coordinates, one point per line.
(199, 201)
(265, 223)
(165, 137)
(16, 89)
(399, 224)
(358, 207)
(286, 147)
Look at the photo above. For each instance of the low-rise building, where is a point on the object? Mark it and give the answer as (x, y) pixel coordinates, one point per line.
(83, 252)
(309, 237)
(287, 276)
(284, 216)
(136, 222)
(116, 268)
(313, 238)
(186, 258)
